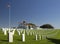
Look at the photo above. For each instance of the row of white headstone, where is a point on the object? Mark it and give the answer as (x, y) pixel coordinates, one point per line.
(28, 32)
(12, 31)
(11, 37)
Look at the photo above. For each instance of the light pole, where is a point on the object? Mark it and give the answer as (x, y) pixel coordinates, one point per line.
(9, 15)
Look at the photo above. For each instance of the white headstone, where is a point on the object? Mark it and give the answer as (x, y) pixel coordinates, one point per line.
(19, 32)
(33, 33)
(40, 37)
(27, 33)
(4, 30)
(36, 37)
(5, 33)
(10, 37)
(23, 37)
(13, 31)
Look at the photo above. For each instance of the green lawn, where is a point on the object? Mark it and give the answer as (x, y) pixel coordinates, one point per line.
(30, 39)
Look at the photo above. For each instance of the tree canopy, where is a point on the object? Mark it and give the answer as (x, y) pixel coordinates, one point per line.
(48, 26)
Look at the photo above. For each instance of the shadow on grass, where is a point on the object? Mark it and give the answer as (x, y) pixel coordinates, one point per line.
(19, 39)
(4, 41)
(56, 41)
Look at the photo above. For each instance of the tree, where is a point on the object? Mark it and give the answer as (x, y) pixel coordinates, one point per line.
(22, 25)
(48, 26)
(31, 25)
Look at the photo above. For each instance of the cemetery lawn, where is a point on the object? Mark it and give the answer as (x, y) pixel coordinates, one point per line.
(30, 39)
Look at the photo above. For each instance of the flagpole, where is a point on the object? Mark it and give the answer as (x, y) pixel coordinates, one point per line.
(9, 15)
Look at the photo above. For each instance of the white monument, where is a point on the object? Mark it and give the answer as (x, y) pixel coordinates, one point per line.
(13, 31)
(40, 37)
(4, 30)
(23, 36)
(10, 36)
(5, 33)
(36, 37)
(18, 32)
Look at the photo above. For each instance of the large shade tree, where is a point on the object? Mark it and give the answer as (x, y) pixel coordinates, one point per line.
(22, 25)
(32, 25)
(48, 26)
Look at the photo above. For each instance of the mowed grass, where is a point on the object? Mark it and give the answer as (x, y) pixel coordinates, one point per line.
(30, 39)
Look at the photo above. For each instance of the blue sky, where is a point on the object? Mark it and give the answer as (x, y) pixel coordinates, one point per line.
(38, 12)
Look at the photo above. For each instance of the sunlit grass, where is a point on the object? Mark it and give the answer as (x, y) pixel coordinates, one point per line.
(30, 39)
